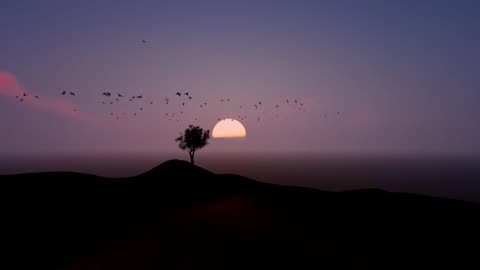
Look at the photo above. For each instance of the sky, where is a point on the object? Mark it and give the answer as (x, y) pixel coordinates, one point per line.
(374, 77)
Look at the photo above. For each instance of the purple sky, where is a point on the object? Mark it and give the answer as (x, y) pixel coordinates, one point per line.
(402, 74)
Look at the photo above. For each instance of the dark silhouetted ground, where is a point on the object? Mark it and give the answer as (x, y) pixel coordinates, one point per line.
(178, 216)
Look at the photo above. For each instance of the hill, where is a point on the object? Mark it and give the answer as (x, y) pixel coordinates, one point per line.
(179, 216)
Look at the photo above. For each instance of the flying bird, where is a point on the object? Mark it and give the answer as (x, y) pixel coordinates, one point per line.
(64, 93)
(186, 93)
(189, 97)
(37, 97)
(72, 94)
(25, 94)
(178, 94)
(119, 95)
(139, 96)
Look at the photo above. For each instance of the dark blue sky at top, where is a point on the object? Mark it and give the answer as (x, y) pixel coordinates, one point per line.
(403, 74)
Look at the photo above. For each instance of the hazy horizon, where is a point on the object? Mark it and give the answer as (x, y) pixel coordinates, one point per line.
(442, 176)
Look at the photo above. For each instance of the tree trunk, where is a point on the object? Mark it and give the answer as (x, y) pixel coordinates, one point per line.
(191, 157)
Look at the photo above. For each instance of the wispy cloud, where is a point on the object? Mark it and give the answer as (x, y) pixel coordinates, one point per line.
(11, 87)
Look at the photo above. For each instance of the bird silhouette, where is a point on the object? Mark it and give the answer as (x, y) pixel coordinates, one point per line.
(72, 94)
(139, 96)
(25, 94)
(64, 93)
(21, 100)
(144, 41)
(183, 103)
(178, 94)
(186, 93)
(119, 95)
(189, 97)
(37, 97)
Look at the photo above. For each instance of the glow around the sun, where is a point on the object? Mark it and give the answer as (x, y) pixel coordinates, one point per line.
(229, 128)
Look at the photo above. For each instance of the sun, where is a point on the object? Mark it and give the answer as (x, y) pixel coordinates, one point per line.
(229, 128)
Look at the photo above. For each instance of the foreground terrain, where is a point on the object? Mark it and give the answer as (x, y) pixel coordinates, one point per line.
(179, 216)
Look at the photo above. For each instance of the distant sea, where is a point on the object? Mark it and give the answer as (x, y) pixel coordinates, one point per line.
(451, 177)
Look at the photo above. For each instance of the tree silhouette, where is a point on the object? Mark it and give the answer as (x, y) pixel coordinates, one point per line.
(193, 138)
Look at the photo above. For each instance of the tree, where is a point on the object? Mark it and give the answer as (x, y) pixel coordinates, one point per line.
(193, 138)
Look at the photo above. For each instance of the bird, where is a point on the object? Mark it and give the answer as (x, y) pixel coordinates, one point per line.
(287, 101)
(117, 99)
(21, 100)
(25, 94)
(64, 93)
(178, 94)
(139, 96)
(183, 103)
(72, 94)
(37, 97)
(119, 95)
(186, 93)
(141, 109)
(295, 101)
(189, 97)
(144, 41)
(260, 103)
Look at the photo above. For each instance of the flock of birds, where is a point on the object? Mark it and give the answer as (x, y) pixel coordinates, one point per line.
(179, 103)
(181, 100)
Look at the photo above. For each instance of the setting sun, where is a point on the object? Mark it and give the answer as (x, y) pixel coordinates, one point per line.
(229, 128)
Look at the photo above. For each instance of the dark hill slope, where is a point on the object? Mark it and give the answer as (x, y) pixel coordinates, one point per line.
(179, 216)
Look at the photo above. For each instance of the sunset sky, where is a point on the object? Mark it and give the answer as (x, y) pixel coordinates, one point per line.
(374, 77)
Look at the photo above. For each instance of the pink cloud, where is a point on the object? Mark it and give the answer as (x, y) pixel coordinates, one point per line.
(9, 86)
